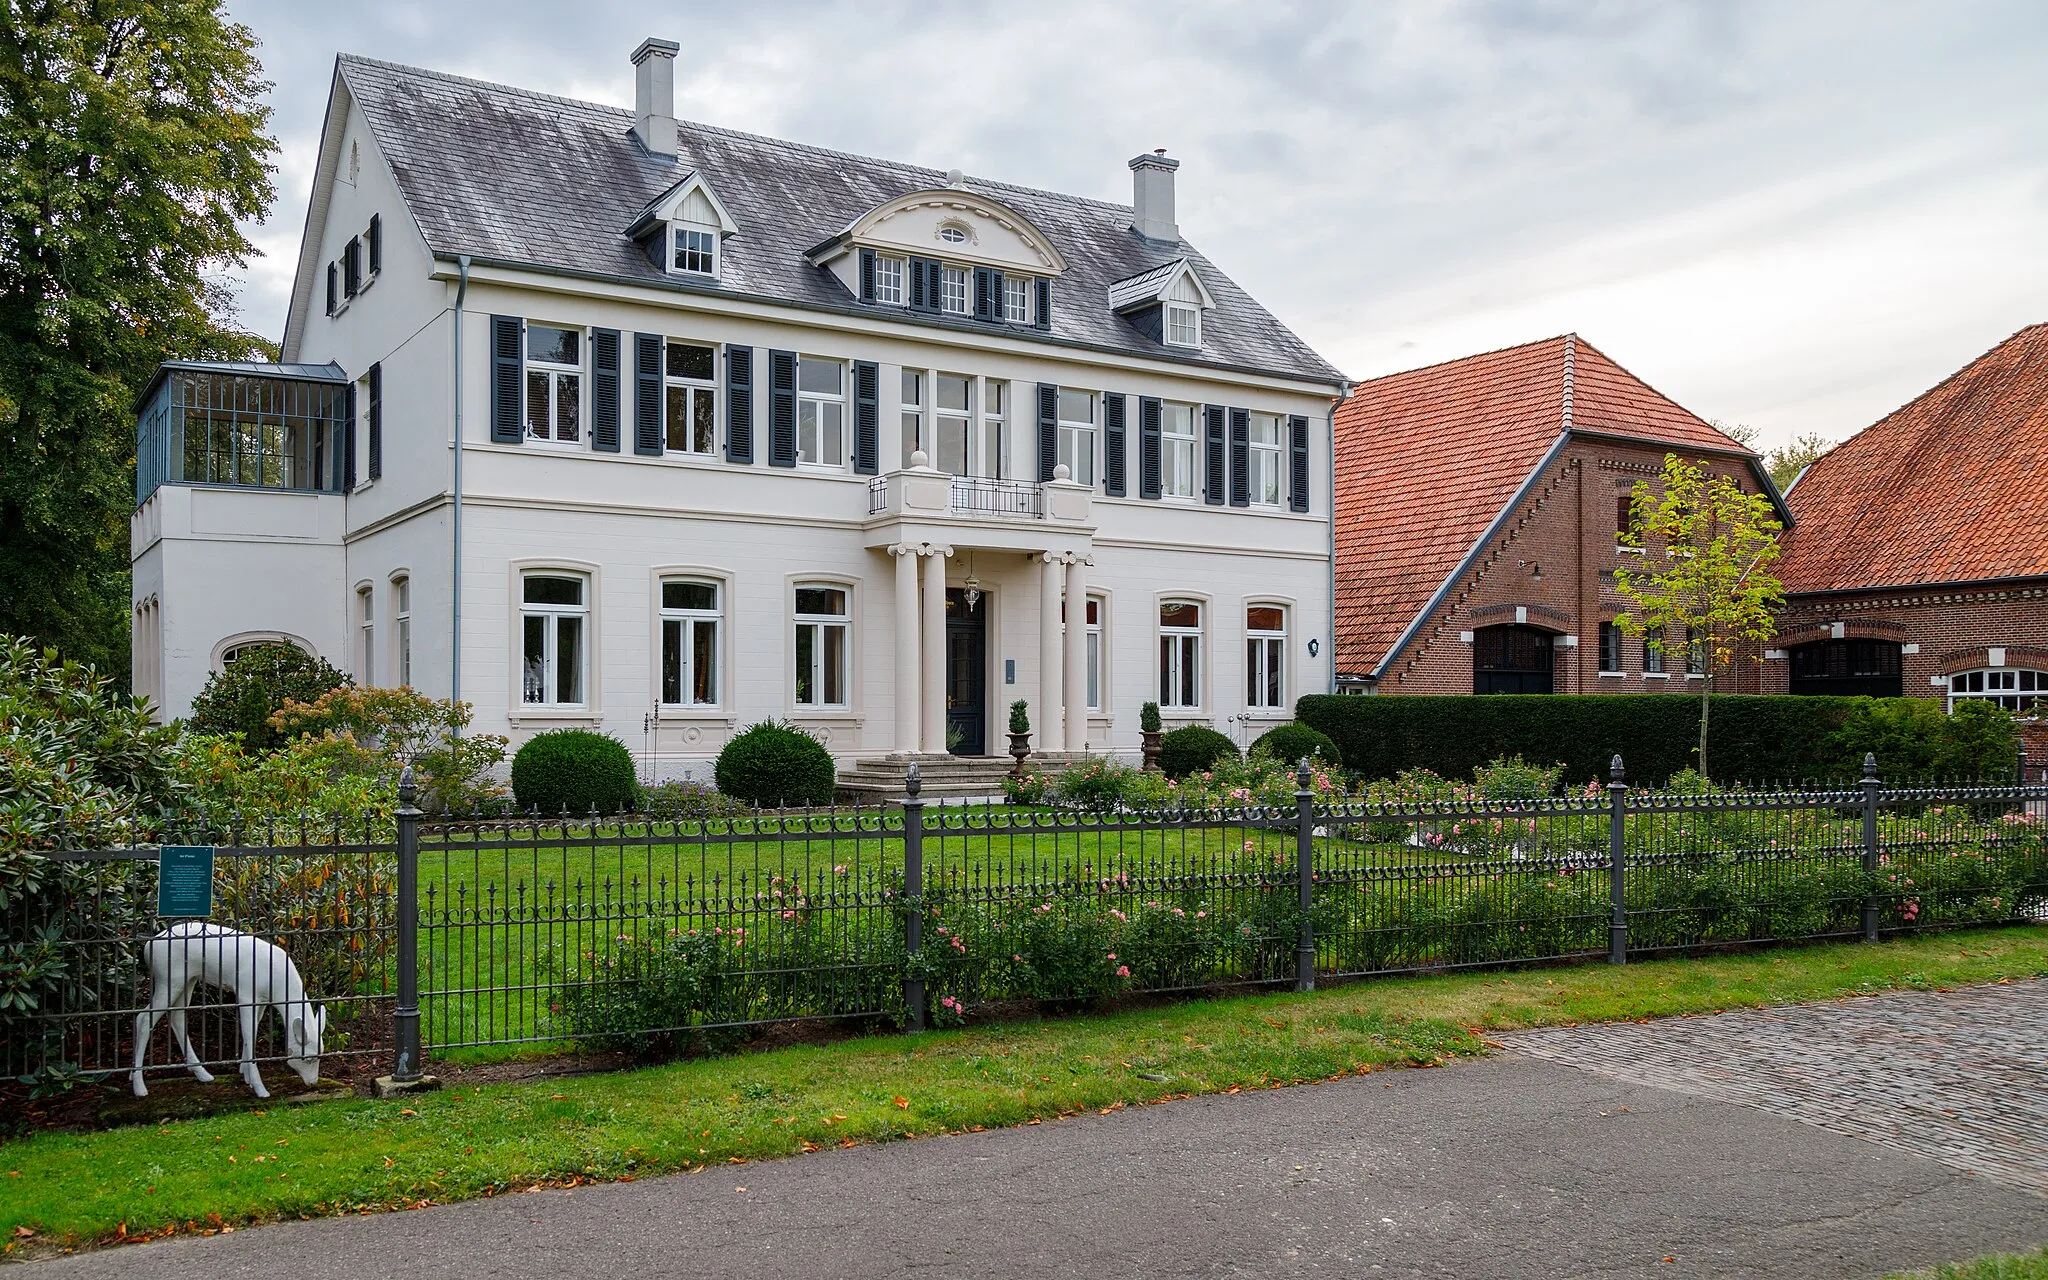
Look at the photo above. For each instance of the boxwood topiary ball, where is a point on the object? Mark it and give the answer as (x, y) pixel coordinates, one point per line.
(776, 764)
(1193, 749)
(574, 768)
(1291, 743)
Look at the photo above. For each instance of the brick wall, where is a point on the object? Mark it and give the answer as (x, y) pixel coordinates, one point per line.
(1553, 568)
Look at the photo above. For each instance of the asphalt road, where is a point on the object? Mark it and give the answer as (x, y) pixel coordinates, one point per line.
(1507, 1167)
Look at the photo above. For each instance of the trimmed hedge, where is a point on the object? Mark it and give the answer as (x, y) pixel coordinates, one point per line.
(1751, 738)
(1192, 749)
(1292, 743)
(776, 764)
(574, 769)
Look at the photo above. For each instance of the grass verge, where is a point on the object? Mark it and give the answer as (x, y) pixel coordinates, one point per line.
(2004, 1266)
(67, 1190)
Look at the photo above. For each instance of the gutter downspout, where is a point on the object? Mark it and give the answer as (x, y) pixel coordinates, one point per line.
(1343, 394)
(455, 539)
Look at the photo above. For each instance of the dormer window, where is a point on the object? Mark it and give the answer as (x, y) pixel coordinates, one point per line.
(696, 249)
(1017, 299)
(889, 280)
(1183, 324)
(953, 289)
(1165, 303)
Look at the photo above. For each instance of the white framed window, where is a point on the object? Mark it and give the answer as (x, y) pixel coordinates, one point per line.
(696, 249)
(1179, 450)
(1265, 657)
(1077, 434)
(820, 412)
(690, 618)
(1264, 472)
(913, 414)
(1180, 654)
(690, 373)
(953, 233)
(554, 622)
(889, 280)
(952, 421)
(1183, 324)
(995, 440)
(1094, 653)
(823, 655)
(401, 621)
(554, 383)
(953, 290)
(2014, 688)
(366, 637)
(1017, 299)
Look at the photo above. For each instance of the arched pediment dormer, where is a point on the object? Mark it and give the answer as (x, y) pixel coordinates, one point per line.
(952, 223)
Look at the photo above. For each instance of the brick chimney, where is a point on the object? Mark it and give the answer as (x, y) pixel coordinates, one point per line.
(1152, 196)
(654, 95)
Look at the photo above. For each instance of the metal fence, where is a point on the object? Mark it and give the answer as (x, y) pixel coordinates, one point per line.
(456, 934)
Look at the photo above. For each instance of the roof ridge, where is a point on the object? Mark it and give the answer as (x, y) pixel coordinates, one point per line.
(727, 131)
(1571, 343)
(1442, 364)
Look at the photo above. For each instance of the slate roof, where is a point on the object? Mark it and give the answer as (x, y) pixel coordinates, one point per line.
(511, 176)
(1429, 459)
(1952, 487)
(1143, 287)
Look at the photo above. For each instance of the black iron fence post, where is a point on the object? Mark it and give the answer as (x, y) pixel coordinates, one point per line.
(913, 895)
(406, 1067)
(1870, 789)
(1617, 862)
(1305, 876)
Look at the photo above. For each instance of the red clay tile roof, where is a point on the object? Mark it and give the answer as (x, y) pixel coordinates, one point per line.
(1428, 458)
(1951, 488)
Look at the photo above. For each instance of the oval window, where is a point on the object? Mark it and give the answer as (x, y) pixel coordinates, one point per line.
(953, 235)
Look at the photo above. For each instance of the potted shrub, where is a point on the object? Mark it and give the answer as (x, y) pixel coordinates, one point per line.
(1020, 736)
(1148, 732)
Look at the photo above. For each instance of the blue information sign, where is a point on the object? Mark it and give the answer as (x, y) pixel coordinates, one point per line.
(184, 880)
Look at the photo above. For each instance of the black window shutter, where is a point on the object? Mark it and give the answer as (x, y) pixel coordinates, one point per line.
(646, 395)
(996, 306)
(604, 390)
(1113, 469)
(376, 380)
(867, 417)
(1148, 447)
(1212, 454)
(348, 440)
(782, 408)
(1240, 457)
(987, 295)
(333, 278)
(1048, 429)
(1044, 319)
(375, 239)
(351, 266)
(867, 275)
(1297, 463)
(507, 378)
(924, 284)
(739, 404)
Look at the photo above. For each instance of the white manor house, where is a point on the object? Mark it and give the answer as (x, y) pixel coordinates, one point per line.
(599, 418)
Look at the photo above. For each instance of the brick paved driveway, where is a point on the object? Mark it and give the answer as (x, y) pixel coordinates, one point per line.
(1955, 1076)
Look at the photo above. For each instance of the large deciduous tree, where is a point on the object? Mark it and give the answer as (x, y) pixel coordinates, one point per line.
(1707, 587)
(131, 144)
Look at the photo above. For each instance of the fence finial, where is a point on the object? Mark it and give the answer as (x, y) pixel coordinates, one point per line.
(1614, 769)
(1301, 773)
(408, 790)
(913, 780)
(1870, 764)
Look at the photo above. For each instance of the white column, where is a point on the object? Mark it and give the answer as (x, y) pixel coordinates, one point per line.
(1046, 715)
(933, 659)
(907, 682)
(1077, 654)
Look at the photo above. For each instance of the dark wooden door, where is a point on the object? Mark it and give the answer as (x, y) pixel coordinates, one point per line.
(966, 673)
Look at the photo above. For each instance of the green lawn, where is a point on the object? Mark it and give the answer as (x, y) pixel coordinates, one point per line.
(346, 1156)
(2004, 1266)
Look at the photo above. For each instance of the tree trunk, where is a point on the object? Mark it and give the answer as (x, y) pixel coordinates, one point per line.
(1706, 704)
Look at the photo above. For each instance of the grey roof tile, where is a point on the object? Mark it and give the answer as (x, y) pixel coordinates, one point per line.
(514, 176)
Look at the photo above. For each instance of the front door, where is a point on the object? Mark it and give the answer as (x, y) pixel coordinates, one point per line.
(966, 673)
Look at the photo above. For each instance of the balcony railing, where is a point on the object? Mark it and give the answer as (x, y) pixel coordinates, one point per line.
(975, 496)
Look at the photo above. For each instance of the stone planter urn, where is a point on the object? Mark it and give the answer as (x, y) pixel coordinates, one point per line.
(1149, 744)
(1020, 751)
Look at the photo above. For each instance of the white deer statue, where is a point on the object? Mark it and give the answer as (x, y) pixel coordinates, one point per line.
(261, 975)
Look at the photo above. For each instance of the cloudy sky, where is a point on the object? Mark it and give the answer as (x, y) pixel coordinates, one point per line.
(1794, 216)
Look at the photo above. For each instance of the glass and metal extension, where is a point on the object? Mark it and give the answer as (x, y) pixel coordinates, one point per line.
(262, 426)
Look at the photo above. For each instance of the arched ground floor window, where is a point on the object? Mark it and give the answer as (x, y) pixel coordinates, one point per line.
(1513, 659)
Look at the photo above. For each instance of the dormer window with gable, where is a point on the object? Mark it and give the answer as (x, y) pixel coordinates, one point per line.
(1166, 303)
(1183, 324)
(685, 228)
(947, 252)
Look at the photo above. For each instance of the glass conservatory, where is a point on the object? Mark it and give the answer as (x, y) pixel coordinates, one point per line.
(260, 426)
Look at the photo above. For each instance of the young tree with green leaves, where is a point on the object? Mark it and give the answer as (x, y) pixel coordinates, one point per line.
(131, 145)
(1707, 587)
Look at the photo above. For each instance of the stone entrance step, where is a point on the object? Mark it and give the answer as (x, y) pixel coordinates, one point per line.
(879, 780)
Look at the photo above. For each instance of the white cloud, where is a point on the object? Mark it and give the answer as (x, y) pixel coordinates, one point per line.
(1773, 221)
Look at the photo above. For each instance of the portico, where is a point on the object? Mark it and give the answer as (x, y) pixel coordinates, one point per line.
(1020, 531)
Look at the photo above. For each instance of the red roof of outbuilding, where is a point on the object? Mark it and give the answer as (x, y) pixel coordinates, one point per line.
(1951, 488)
(1427, 459)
